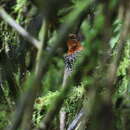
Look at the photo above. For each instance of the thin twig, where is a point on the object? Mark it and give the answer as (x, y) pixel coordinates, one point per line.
(75, 122)
(62, 119)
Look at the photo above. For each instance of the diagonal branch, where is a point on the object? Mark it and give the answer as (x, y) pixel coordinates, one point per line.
(6, 17)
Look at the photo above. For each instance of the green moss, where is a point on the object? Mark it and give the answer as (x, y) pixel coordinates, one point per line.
(4, 116)
(72, 104)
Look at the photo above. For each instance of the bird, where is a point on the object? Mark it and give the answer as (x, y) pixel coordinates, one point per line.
(74, 48)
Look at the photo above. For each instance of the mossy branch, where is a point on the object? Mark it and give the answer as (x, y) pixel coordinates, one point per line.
(7, 18)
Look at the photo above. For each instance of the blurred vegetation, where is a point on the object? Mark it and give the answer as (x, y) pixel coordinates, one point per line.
(31, 78)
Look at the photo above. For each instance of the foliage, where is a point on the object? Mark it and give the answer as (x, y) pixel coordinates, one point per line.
(31, 78)
(72, 104)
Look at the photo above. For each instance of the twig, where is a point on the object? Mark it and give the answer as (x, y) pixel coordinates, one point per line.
(4, 15)
(62, 119)
(75, 122)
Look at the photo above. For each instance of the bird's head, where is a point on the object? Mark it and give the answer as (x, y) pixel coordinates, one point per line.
(74, 44)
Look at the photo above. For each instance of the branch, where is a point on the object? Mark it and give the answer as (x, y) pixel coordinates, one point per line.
(75, 122)
(6, 17)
